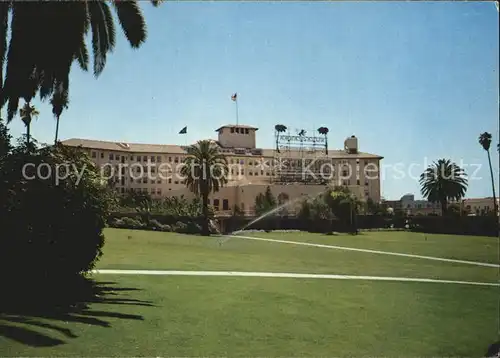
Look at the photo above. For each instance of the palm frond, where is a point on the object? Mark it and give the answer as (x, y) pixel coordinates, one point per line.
(103, 33)
(485, 140)
(443, 180)
(131, 21)
(4, 31)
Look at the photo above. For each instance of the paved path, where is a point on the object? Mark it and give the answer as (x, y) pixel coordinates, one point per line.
(286, 275)
(367, 250)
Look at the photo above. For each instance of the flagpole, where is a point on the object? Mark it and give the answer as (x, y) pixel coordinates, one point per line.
(236, 101)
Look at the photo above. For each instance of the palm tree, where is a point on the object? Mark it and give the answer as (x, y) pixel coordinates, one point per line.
(442, 181)
(324, 131)
(279, 128)
(27, 112)
(205, 171)
(45, 38)
(59, 102)
(485, 141)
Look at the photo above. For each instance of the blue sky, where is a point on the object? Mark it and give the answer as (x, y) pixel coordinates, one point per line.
(415, 82)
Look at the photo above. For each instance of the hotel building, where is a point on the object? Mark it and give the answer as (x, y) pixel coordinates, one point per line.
(299, 166)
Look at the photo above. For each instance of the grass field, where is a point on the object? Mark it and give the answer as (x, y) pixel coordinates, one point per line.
(251, 316)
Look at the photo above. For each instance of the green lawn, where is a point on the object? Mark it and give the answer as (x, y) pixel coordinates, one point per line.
(221, 316)
(129, 249)
(473, 248)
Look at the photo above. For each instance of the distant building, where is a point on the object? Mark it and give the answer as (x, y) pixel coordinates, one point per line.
(479, 206)
(409, 206)
(252, 169)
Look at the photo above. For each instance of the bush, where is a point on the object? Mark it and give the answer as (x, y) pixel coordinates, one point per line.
(166, 228)
(193, 228)
(50, 230)
(180, 227)
(131, 223)
(117, 223)
(154, 225)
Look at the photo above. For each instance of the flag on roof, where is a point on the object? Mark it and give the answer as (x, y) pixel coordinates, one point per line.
(184, 130)
(234, 97)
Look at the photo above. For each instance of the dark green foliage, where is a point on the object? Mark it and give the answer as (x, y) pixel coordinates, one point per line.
(130, 223)
(374, 208)
(485, 142)
(154, 225)
(454, 210)
(166, 228)
(205, 170)
(5, 140)
(46, 37)
(180, 227)
(442, 181)
(50, 230)
(342, 202)
(305, 210)
(133, 199)
(264, 202)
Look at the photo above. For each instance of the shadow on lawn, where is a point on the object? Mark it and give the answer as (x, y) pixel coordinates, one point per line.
(50, 309)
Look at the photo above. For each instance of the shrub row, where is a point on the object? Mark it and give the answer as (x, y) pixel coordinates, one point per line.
(188, 227)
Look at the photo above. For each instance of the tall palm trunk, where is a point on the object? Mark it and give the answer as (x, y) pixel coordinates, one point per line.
(495, 207)
(57, 130)
(28, 134)
(444, 206)
(205, 231)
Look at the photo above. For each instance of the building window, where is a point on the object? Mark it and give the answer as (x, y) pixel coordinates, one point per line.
(158, 159)
(145, 180)
(117, 157)
(237, 130)
(145, 158)
(110, 156)
(366, 182)
(102, 155)
(225, 204)
(131, 157)
(153, 159)
(138, 158)
(176, 160)
(247, 131)
(232, 129)
(158, 191)
(153, 190)
(250, 173)
(216, 201)
(176, 182)
(170, 181)
(158, 181)
(94, 154)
